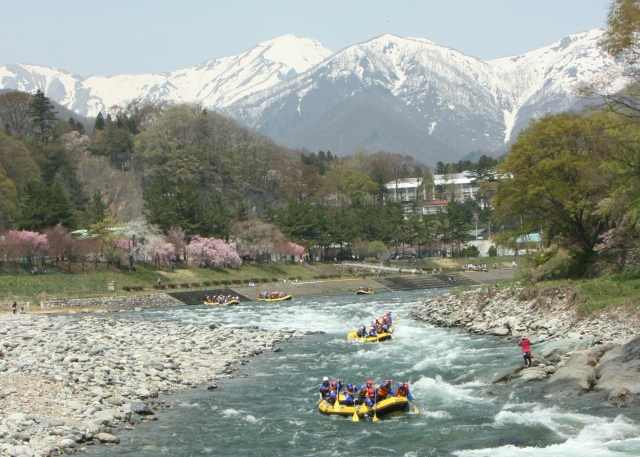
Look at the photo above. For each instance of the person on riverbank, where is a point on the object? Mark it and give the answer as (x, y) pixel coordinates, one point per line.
(403, 391)
(14, 307)
(385, 390)
(525, 344)
(325, 387)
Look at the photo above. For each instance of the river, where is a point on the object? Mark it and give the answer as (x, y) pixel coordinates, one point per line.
(273, 410)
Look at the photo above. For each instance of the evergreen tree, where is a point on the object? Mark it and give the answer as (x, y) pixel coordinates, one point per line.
(43, 117)
(99, 124)
(98, 208)
(44, 206)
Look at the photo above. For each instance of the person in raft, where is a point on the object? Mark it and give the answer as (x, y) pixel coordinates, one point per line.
(349, 394)
(362, 332)
(334, 391)
(385, 390)
(526, 350)
(324, 388)
(403, 391)
(367, 394)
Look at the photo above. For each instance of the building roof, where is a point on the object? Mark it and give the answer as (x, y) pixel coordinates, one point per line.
(406, 183)
(436, 203)
(529, 238)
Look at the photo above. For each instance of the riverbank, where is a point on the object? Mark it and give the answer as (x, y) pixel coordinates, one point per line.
(596, 354)
(70, 382)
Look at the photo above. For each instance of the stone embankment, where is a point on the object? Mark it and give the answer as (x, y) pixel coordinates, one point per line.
(67, 382)
(578, 355)
(120, 302)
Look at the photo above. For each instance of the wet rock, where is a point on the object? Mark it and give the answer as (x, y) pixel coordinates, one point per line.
(212, 387)
(106, 438)
(140, 409)
(530, 374)
(577, 377)
(619, 368)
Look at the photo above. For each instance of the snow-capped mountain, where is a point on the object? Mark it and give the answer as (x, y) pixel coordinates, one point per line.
(216, 83)
(413, 96)
(406, 95)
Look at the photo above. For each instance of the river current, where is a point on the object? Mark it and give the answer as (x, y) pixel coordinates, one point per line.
(273, 410)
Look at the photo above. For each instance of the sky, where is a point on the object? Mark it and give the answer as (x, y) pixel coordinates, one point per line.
(149, 36)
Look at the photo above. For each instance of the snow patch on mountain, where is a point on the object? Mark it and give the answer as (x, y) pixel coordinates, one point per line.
(214, 83)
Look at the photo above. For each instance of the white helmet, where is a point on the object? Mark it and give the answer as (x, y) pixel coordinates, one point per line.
(325, 379)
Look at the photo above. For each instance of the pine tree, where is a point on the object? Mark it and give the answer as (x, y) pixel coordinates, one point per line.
(99, 124)
(43, 117)
(44, 206)
(98, 208)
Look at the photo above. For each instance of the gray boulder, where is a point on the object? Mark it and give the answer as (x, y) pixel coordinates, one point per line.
(618, 371)
(574, 379)
(141, 409)
(553, 351)
(107, 438)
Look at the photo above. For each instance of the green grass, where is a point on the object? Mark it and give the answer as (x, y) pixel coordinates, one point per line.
(608, 292)
(19, 284)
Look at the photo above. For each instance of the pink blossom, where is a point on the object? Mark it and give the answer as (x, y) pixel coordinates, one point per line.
(160, 250)
(25, 244)
(294, 249)
(213, 252)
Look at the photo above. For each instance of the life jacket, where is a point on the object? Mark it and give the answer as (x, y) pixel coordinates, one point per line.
(361, 332)
(373, 332)
(363, 392)
(401, 392)
(526, 345)
(371, 393)
(383, 391)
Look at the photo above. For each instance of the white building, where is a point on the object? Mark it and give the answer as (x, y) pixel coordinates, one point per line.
(461, 185)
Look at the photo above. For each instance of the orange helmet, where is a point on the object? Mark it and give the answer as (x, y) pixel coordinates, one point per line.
(369, 382)
(334, 383)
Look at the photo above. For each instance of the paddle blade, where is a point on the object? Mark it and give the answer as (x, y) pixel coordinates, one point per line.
(375, 417)
(415, 409)
(355, 415)
(336, 405)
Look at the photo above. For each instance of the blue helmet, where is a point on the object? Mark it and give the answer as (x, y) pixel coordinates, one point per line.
(400, 384)
(350, 386)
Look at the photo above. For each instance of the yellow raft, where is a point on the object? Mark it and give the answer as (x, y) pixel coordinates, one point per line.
(365, 292)
(286, 297)
(388, 406)
(353, 336)
(227, 303)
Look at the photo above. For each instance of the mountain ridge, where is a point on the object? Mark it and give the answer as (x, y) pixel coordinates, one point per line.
(417, 97)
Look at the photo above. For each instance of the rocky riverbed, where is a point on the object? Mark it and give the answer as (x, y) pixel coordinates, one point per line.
(575, 355)
(67, 382)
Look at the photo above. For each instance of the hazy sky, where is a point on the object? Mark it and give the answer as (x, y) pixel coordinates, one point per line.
(142, 36)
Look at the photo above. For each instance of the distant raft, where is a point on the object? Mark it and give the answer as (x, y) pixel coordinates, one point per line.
(353, 336)
(286, 297)
(388, 406)
(364, 292)
(227, 303)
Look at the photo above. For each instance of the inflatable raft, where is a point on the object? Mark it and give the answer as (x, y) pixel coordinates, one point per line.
(389, 406)
(353, 336)
(365, 292)
(227, 303)
(286, 297)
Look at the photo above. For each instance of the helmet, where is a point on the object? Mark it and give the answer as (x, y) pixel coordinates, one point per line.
(400, 384)
(369, 382)
(388, 381)
(406, 385)
(325, 379)
(350, 386)
(334, 383)
(388, 312)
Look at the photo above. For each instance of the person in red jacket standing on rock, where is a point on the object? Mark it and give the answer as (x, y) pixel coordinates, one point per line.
(526, 350)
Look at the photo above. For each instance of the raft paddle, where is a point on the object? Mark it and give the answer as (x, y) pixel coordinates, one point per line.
(355, 418)
(415, 408)
(375, 406)
(336, 405)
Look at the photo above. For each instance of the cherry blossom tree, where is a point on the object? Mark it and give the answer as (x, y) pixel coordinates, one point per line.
(25, 244)
(213, 252)
(160, 251)
(176, 237)
(294, 249)
(61, 243)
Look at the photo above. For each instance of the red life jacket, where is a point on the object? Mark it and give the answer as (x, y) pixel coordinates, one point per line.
(526, 345)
